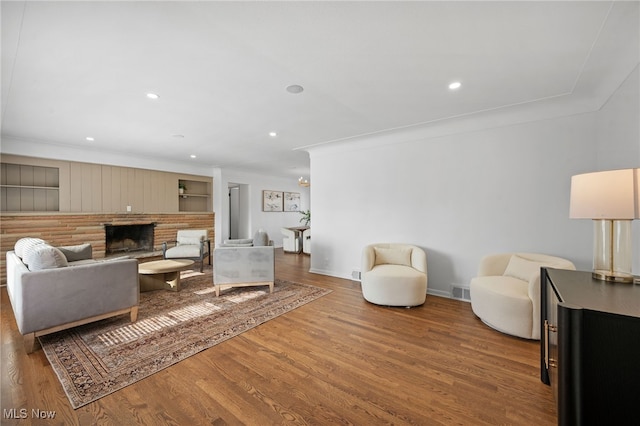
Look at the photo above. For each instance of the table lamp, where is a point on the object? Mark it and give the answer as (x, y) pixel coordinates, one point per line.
(612, 200)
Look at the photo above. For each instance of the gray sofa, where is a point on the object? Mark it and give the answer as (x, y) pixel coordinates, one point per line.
(59, 288)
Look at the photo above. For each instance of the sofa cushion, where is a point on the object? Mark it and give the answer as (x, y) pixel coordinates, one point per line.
(237, 245)
(44, 256)
(394, 285)
(238, 242)
(24, 244)
(94, 261)
(522, 269)
(393, 256)
(183, 251)
(77, 252)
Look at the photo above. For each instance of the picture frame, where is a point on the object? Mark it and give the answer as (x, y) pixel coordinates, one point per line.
(291, 201)
(272, 201)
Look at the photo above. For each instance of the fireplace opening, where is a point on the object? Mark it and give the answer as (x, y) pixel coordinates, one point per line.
(129, 238)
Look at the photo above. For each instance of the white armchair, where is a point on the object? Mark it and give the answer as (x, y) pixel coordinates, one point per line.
(290, 241)
(394, 274)
(506, 293)
(189, 244)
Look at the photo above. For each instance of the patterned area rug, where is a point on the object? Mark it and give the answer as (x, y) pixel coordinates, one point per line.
(97, 359)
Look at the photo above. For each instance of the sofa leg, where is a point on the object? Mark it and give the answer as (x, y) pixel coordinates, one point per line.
(134, 314)
(30, 342)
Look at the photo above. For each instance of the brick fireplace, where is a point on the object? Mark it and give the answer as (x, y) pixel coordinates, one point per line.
(64, 229)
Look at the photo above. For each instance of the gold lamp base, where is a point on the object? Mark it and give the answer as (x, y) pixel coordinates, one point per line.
(611, 276)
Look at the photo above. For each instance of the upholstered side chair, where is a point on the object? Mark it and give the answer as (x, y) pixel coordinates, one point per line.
(290, 241)
(506, 293)
(189, 244)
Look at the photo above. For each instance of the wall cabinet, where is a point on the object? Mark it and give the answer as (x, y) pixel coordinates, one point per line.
(40, 185)
(590, 347)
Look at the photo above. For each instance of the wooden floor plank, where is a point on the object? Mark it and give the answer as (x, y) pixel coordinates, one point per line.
(336, 360)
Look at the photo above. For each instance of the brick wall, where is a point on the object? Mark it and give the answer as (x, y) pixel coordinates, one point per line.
(61, 229)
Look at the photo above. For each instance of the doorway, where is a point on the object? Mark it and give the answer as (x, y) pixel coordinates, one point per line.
(238, 211)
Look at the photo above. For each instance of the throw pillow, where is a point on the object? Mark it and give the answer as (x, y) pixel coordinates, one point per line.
(261, 238)
(25, 244)
(191, 241)
(79, 252)
(393, 256)
(44, 256)
(522, 269)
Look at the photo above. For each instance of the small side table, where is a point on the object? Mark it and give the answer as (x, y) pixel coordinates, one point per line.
(162, 274)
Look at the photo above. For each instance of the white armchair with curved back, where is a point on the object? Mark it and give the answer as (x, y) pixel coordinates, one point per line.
(506, 293)
(394, 274)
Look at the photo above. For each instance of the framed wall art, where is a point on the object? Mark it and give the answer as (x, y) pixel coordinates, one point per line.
(272, 201)
(291, 201)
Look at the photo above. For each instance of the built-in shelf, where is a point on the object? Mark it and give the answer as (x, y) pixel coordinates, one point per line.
(196, 196)
(184, 195)
(29, 188)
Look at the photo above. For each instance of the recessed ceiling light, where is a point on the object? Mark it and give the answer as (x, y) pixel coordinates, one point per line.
(273, 134)
(90, 139)
(152, 96)
(455, 85)
(295, 89)
(193, 156)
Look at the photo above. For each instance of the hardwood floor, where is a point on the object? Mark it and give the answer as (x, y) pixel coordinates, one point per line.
(336, 360)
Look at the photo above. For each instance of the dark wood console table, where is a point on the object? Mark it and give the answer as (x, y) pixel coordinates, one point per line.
(590, 347)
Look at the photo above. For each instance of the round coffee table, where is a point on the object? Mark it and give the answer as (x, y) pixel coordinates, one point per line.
(162, 274)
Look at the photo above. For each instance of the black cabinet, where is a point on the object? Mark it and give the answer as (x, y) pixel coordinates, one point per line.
(590, 347)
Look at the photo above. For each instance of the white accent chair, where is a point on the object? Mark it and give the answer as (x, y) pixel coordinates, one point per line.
(506, 293)
(290, 241)
(189, 244)
(306, 241)
(394, 274)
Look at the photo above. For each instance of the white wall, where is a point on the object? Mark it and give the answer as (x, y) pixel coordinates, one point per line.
(255, 184)
(618, 131)
(461, 196)
(618, 139)
(458, 196)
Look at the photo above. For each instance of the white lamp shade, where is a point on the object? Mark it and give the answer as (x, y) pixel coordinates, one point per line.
(613, 194)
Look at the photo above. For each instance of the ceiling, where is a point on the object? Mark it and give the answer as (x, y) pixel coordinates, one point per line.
(72, 70)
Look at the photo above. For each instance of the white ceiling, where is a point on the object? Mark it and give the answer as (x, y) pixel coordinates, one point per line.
(77, 69)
